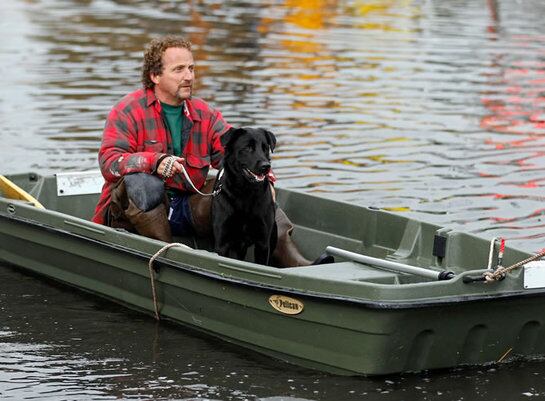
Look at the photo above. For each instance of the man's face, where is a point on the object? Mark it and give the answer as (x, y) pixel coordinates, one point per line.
(175, 83)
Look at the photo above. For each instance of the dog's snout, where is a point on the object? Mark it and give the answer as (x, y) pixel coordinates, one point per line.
(264, 168)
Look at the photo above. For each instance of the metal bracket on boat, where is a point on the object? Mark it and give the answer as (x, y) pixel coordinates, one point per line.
(439, 246)
(393, 266)
(11, 208)
(473, 279)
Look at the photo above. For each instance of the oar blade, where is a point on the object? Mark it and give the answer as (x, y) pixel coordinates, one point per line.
(12, 191)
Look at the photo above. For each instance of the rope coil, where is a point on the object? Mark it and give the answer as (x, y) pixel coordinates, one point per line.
(499, 273)
(152, 273)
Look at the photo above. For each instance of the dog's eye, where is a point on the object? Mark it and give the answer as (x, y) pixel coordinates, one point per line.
(245, 149)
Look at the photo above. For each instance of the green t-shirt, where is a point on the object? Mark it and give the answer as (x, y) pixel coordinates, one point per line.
(174, 117)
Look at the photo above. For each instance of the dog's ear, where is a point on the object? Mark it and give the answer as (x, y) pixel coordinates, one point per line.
(271, 139)
(228, 136)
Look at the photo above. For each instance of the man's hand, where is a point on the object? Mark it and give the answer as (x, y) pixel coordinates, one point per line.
(170, 166)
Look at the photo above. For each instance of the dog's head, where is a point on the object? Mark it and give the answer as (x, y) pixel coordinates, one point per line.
(247, 152)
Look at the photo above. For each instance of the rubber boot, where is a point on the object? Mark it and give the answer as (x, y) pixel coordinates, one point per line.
(115, 216)
(152, 224)
(286, 253)
(201, 208)
(123, 213)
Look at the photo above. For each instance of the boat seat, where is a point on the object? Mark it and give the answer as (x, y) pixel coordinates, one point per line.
(348, 271)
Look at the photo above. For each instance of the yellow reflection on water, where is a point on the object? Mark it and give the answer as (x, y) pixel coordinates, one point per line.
(311, 67)
(397, 209)
(382, 9)
(310, 14)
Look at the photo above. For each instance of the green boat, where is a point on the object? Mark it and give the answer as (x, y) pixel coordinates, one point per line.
(402, 296)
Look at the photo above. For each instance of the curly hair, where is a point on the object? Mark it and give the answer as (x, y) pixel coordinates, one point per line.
(153, 56)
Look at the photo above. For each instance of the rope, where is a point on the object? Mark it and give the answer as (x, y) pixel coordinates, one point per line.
(213, 193)
(500, 272)
(168, 169)
(152, 273)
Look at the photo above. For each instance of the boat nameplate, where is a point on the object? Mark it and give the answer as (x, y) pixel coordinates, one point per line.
(79, 183)
(534, 274)
(286, 305)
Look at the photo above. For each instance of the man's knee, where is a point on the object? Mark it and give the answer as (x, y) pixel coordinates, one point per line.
(146, 191)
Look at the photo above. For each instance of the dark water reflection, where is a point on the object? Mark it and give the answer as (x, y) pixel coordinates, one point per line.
(434, 109)
(58, 344)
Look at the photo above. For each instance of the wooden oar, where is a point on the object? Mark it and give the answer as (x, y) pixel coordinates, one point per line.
(11, 191)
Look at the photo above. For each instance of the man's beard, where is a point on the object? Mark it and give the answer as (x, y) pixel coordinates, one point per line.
(184, 96)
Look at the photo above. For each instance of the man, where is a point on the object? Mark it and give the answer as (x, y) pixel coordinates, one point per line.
(156, 130)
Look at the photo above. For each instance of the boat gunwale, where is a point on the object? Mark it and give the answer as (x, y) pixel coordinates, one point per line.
(382, 305)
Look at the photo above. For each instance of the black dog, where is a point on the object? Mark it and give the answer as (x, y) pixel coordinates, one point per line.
(243, 212)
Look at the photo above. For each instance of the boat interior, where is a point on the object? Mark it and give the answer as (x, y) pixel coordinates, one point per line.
(319, 223)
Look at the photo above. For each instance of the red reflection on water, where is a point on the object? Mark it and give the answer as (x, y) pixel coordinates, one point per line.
(535, 213)
(520, 114)
(515, 109)
(511, 144)
(529, 184)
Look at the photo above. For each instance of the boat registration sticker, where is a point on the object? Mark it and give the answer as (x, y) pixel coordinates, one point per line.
(286, 305)
(534, 274)
(79, 183)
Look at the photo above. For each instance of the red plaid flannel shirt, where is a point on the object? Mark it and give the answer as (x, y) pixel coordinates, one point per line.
(135, 137)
